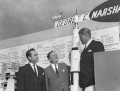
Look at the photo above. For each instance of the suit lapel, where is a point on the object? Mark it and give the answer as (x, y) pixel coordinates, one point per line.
(29, 66)
(88, 47)
(39, 74)
(90, 44)
(83, 51)
(52, 70)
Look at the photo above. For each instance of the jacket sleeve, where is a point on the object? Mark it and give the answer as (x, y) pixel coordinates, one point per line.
(20, 80)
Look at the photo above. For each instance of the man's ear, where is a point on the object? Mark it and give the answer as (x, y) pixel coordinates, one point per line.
(29, 57)
(87, 36)
(49, 59)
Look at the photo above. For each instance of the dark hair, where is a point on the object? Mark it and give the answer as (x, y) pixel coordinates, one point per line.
(84, 31)
(48, 55)
(28, 53)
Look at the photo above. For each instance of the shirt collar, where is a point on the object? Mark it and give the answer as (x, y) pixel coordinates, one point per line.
(88, 42)
(31, 64)
(53, 65)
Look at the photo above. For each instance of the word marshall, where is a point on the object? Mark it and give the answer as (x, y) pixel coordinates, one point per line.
(105, 11)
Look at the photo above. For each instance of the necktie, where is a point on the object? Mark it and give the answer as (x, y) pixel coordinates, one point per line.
(35, 70)
(85, 47)
(56, 69)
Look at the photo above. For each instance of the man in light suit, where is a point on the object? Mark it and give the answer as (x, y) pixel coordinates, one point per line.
(31, 77)
(87, 76)
(57, 78)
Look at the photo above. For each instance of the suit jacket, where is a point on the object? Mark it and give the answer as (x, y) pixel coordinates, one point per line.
(55, 82)
(27, 80)
(87, 63)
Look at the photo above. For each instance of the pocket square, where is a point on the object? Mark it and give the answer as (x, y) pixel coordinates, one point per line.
(63, 70)
(89, 50)
(42, 73)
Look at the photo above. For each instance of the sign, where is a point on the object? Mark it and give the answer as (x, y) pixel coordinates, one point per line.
(57, 17)
(71, 20)
(108, 11)
(109, 37)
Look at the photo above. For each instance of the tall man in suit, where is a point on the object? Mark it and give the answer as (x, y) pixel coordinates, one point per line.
(57, 78)
(31, 77)
(87, 76)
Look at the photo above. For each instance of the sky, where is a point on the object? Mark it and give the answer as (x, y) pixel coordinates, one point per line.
(21, 17)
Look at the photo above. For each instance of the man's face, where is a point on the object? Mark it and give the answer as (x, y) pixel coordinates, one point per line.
(34, 57)
(83, 39)
(53, 57)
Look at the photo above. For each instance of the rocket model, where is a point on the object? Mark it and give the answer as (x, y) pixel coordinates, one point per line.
(75, 57)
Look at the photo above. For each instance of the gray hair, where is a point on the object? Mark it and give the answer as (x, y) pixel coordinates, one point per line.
(84, 31)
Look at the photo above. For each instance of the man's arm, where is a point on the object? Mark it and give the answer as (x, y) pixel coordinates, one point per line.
(20, 80)
(68, 68)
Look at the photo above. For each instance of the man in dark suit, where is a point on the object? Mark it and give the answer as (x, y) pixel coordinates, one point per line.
(31, 77)
(57, 78)
(87, 76)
